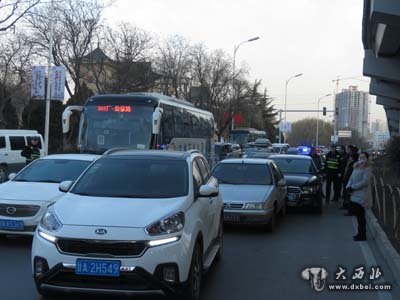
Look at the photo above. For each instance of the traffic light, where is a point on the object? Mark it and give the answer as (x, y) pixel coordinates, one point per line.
(337, 111)
(324, 111)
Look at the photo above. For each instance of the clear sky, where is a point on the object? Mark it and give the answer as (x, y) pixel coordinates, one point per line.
(319, 38)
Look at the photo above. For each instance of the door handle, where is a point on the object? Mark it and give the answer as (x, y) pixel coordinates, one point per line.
(5, 154)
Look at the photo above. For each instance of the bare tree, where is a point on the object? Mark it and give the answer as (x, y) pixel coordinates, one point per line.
(129, 48)
(11, 11)
(174, 64)
(76, 23)
(15, 66)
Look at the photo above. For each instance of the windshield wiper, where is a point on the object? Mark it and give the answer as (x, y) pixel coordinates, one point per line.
(21, 180)
(48, 181)
(81, 194)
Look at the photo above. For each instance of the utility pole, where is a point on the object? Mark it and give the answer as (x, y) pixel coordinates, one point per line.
(49, 66)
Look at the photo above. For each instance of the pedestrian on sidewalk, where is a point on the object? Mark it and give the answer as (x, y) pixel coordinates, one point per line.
(358, 187)
(332, 169)
(346, 177)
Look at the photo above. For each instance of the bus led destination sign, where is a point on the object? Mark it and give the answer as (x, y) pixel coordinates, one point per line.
(114, 108)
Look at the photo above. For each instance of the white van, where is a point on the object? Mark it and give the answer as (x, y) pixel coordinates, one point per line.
(12, 142)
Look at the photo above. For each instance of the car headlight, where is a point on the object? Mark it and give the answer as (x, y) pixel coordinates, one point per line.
(171, 224)
(50, 221)
(259, 205)
(310, 189)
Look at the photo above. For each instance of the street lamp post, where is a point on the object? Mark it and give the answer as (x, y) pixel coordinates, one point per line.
(286, 86)
(235, 49)
(317, 134)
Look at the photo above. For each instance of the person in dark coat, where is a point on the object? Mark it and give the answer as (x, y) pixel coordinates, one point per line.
(346, 177)
(32, 151)
(332, 170)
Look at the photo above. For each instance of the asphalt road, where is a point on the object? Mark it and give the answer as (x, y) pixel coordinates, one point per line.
(256, 264)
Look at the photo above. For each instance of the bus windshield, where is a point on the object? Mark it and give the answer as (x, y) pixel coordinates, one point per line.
(118, 125)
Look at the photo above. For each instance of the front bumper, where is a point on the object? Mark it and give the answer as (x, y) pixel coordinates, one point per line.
(242, 216)
(140, 274)
(132, 281)
(30, 222)
(304, 200)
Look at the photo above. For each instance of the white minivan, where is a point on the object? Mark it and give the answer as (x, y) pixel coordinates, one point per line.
(12, 142)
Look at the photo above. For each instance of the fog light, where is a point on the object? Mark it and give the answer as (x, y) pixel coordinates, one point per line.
(169, 274)
(41, 266)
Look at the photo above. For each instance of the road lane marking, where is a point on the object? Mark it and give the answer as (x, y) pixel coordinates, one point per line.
(371, 261)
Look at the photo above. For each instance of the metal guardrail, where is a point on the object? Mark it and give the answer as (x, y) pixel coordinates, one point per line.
(386, 207)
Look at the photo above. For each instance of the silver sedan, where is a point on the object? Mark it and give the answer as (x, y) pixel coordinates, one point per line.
(253, 191)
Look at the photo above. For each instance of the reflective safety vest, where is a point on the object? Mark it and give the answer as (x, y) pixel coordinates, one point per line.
(332, 163)
(35, 154)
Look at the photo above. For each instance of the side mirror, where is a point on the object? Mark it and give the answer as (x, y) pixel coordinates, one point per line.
(208, 191)
(66, 117)
(157, 115)
(12, 176)
(281, 182)
(65, 186)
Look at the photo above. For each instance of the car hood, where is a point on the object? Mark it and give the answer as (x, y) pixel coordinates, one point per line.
(29, 191)
(79, 210)
(299, 179)
(244, 193)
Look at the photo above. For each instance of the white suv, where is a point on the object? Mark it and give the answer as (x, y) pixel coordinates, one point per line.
(135, 222)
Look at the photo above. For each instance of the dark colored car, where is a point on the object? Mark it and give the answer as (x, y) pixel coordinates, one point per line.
(225, 150)
(304, 183)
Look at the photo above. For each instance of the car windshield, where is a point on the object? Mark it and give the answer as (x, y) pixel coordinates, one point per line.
(294, 165)
(129, 177)
(233, 173)
(52, 170)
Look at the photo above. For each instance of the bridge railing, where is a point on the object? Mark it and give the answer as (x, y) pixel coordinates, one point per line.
(386, 207)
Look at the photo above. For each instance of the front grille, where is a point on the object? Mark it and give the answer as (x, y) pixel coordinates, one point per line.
(233, 205)
(99, 247)
(17, 211)
(132, 281)
(294, 190)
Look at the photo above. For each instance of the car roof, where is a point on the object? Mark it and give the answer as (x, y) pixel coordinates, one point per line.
(293, 156)
(152, 154)
(255, 161)
(86, 157)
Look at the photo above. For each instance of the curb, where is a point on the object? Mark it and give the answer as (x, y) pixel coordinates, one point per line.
(387, 251)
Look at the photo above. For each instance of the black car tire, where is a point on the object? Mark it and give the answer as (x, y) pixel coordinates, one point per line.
(272, 223)
(318, 208)
(220, 252)
(283, 210)
(47, 294)
(3, 173)
(191, 289)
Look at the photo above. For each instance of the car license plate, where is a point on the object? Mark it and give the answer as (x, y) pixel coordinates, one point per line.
(231, 218)
(12, 225)
(292, 197)
(93, 267)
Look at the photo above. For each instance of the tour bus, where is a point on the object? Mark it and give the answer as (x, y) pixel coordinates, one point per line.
(142, 121)
(243, 136)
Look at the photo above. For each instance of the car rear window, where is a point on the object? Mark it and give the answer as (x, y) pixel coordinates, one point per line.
(233, 173)
(293, 165)
(52, 170)
(135, 178)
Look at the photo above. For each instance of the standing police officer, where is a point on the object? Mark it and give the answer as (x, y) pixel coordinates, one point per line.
(31, 152)
(332, 169)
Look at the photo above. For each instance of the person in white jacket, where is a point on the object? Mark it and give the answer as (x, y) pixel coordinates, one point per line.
(358, 187)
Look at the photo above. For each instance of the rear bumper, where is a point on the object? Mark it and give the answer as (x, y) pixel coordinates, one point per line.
(247, 216)
(132, 281)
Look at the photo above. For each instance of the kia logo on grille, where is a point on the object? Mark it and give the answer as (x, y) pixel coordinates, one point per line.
(11, 210)
(100, 231)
